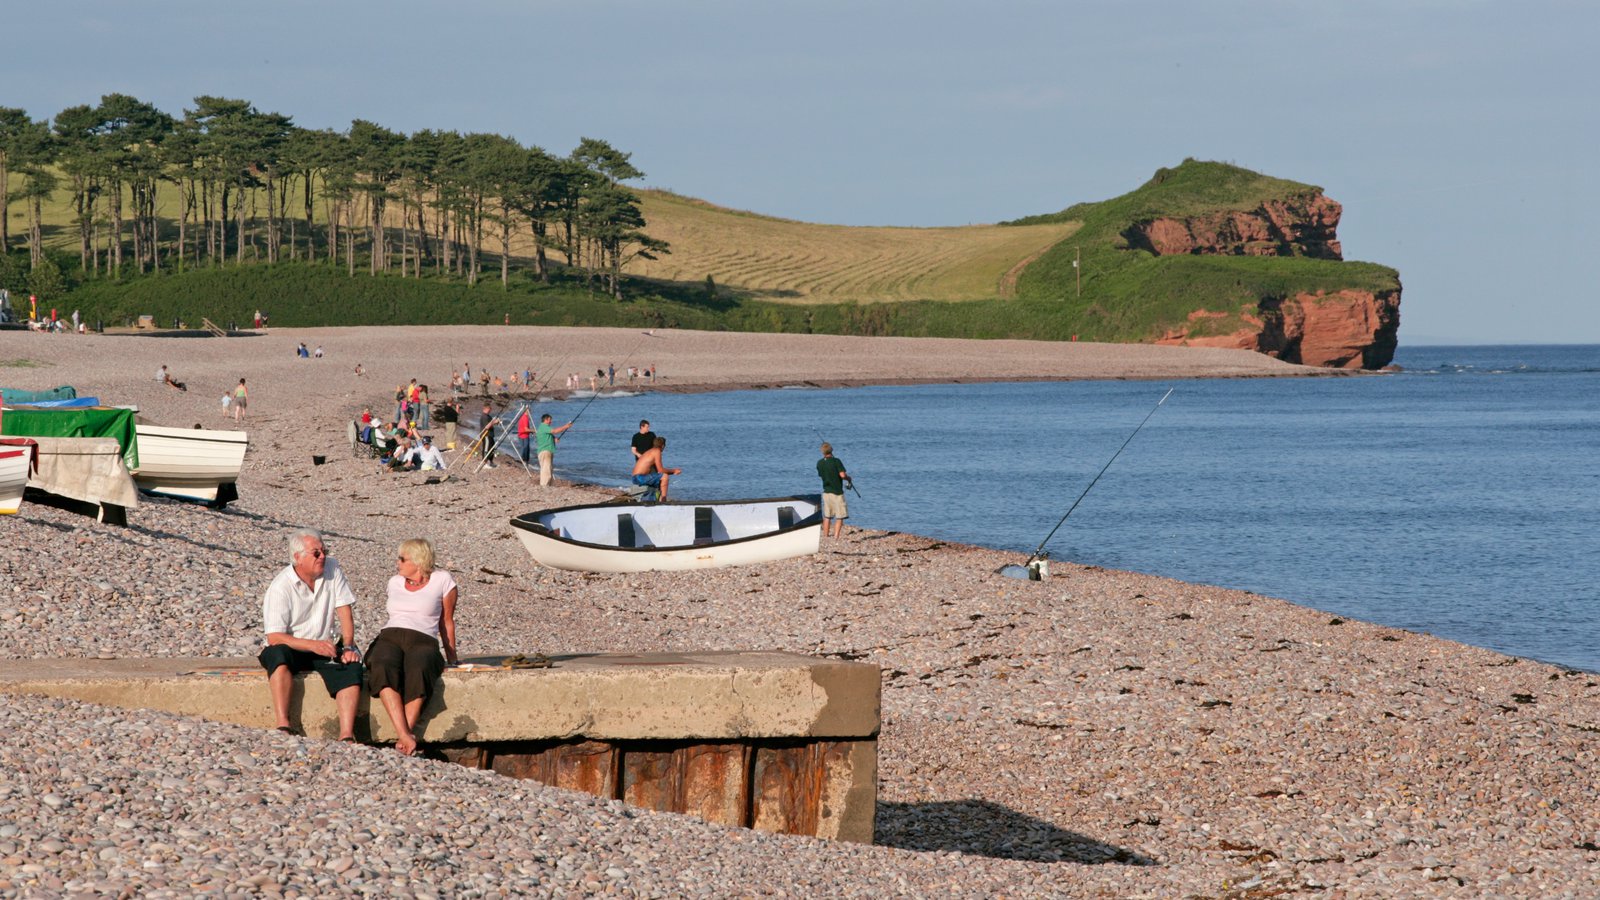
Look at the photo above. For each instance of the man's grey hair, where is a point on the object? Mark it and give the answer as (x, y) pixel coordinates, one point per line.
(299, 539)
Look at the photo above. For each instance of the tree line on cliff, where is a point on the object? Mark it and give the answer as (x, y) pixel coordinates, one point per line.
(248, 187)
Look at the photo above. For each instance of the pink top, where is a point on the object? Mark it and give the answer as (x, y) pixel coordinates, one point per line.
(420, 609)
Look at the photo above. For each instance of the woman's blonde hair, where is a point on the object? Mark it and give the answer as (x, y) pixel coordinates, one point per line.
(419, 553)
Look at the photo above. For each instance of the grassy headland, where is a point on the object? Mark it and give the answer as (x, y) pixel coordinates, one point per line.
(1013, 280)
(1133, 295)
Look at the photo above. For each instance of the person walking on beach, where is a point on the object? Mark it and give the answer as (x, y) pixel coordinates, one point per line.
(310, 627)
(649, 471)
(404, 661)
(644, 440)
(241, 399)
(834, 510)
(544, 440)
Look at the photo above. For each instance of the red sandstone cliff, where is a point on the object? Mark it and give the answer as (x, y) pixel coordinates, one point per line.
(1297, 226)
(1347, 329)
(1343, 330)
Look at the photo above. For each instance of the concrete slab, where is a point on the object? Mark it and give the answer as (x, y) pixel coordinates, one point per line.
(605, 696)
(775, 741)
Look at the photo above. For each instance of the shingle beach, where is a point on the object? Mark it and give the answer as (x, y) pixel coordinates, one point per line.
(1099, 734)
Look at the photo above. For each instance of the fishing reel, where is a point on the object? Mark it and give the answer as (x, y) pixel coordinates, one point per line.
(1036, 569)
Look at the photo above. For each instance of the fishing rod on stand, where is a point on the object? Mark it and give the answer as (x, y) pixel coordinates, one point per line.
(498, 446)
(1037, 568)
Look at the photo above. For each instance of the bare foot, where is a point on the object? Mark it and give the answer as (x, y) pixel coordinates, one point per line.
(406, 745)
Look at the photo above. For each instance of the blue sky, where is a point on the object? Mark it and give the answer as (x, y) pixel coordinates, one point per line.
(1460, 136)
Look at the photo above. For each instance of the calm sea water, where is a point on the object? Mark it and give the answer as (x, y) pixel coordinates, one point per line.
(1460, 498)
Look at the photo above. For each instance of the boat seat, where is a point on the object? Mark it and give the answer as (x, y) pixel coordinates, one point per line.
(785, 517)
(702, 525)
(626, 537)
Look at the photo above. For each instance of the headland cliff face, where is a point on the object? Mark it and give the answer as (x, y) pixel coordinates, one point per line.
(1347, 329)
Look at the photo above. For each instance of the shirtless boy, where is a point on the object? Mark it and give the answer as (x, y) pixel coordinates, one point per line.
(649, 471)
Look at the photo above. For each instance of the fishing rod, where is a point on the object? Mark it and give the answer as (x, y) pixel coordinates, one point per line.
(1038, 552)
(484, 431)
(850, 481)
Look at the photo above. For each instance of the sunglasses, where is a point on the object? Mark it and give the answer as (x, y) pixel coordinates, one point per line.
(317, 553)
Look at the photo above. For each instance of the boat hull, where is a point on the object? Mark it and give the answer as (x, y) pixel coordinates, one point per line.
(673, 536)
(190, 463)
(15, 464)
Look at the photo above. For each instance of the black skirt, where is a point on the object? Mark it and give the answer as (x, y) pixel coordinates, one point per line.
(405, 660)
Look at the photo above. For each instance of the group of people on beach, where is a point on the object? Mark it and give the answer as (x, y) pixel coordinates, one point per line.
(402, 446)
(526, 383)
(308, 616)
(522, 383)
(399, 443)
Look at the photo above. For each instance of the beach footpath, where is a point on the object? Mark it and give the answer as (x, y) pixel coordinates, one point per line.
(1100, 733)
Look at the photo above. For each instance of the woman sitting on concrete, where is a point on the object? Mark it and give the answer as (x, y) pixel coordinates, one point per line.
(404, 662)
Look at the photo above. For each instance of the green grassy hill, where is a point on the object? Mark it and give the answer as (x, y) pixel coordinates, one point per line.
(1133, 295)
(1013, 280)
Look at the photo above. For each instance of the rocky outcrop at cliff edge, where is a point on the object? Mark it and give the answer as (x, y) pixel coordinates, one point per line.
(1347, 329)
(1296, 226)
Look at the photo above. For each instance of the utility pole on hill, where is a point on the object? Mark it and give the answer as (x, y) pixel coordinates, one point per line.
(1077, 268)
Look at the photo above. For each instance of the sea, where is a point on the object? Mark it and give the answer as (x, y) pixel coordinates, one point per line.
(1458, 497)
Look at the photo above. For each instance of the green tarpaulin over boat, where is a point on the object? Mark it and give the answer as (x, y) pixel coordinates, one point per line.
(17, 395)
(95, 422)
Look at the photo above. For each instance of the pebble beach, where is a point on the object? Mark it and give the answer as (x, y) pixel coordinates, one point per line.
(1098, 734)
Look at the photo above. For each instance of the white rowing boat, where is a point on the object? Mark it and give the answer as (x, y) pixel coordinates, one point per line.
(190, 463)
(18, 459)
(671, 536)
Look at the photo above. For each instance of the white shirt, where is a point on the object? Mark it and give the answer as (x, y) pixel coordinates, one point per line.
(427, 457)
(289, 607)
(419, 610)
(161, 374)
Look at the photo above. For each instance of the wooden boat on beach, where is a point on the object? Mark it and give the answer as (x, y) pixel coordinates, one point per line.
(190, 463)
(673, 536)
(81, 457)
(19, 458)
(85, 475)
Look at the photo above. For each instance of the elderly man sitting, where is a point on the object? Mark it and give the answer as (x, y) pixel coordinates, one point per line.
(425, 456)
(310, 627)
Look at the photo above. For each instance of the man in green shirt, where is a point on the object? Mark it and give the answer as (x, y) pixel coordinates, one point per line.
(834, 477)
(544, 440)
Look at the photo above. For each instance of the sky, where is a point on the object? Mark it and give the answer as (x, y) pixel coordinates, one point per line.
(1460, 136)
